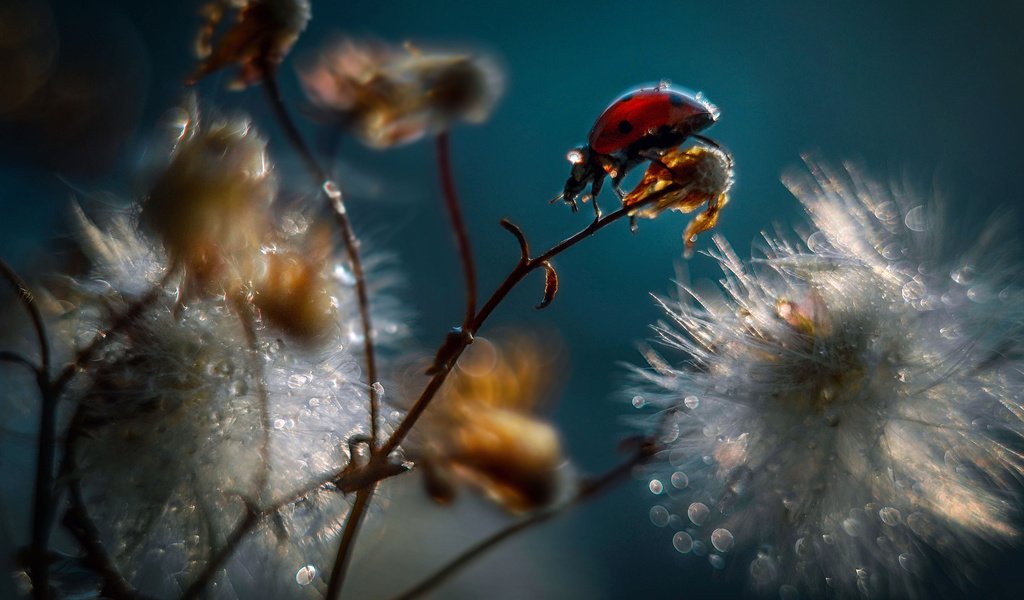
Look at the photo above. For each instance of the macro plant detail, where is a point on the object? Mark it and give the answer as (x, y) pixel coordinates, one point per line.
(847, 419)
(219, 392)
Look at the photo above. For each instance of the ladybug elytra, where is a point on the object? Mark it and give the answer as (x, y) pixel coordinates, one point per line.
(638, 126)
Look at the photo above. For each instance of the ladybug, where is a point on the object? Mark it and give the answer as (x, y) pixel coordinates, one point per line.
(638, 126)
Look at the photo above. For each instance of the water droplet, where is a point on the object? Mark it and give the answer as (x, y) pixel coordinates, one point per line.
(682, 542)
(817, 242)
(378, 389)
(639, 402)
(680, 480)
(314, 402)
(886, 211)
(964, 275)
(721, 539)
(717, 561)
(827, 538)
(305, 575)
(916, 219)
(909, 562)
(802, 548)
(279, 423)
(852, 527)
(979, 293)
(343, 276)
(656, 486)
(698, 513)
(691, 402)
(762, 569)
(890, 516)
(914, 290)
(659, 515)
(700, 548)
(297, 381)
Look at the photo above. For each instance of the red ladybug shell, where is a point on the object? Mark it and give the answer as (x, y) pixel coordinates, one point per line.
(644, 112)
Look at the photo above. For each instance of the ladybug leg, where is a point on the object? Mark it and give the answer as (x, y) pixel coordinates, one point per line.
(632, 224)
(595, 190)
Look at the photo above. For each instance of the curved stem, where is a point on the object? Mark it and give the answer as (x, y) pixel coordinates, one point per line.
(330, 189)
(348, 537)
(520, 271)
(28, 301)
(587, 490)
(451, 202)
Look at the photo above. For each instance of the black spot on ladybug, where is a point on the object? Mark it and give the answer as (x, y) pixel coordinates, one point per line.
(676, 100)
(625, 126)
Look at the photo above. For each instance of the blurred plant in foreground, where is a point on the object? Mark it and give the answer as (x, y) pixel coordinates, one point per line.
(847, 418)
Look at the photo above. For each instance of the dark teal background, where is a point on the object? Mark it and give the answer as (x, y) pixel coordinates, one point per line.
(927, 92)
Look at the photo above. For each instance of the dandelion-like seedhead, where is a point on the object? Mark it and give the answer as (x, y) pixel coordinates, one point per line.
(185, 420)
(846, 418)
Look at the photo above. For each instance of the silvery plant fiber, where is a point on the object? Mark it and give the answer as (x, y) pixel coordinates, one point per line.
(170, 449)
(843, 415)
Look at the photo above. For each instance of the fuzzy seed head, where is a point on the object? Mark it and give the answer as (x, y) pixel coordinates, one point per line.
(848, 410)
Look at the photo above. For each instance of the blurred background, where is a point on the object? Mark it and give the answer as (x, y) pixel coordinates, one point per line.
(926, 93)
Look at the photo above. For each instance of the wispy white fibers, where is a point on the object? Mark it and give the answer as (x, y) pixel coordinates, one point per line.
(171, 421)
(845, 416)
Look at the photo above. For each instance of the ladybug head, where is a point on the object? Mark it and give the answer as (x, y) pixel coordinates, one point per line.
(584, 169)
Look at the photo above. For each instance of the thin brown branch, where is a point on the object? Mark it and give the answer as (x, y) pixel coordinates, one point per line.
(587, 490)
(353, 521)
(332, 191)
(81, 527)
(518, 273)
(17, 359)
(42, 503)
(451, 202)
(120, 322)
(29, 302)
(344, 481)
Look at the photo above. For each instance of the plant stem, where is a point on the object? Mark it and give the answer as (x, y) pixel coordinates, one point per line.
(332, 191)
(348, 538)
(587, 490)
(451, 202)
(523, 268)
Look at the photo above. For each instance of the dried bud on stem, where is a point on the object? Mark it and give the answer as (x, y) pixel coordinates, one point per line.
(389, 96)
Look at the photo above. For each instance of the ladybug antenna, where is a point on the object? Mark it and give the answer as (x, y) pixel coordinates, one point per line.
(557, 198)
(707, 140)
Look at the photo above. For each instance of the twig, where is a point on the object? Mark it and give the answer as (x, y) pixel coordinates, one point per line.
(122, 321)
(348, 537)
(520, 271)
(28, 301)
(587, 490)
(345, 481)
(78, 522)
(332, 191)
(451, 202)
(42, 503)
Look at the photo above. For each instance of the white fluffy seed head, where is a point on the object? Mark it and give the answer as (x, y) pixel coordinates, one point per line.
(170, 443)
(850, 407)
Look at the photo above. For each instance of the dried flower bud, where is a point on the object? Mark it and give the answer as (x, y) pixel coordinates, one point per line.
(482, 430)
(705, 174)
(390, 96)
(264, 32)
(292, 292)
(210, 206)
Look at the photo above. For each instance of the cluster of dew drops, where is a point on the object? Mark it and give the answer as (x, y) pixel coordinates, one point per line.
(685, 539)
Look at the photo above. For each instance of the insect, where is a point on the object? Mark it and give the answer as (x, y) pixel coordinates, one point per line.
(639, 126)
